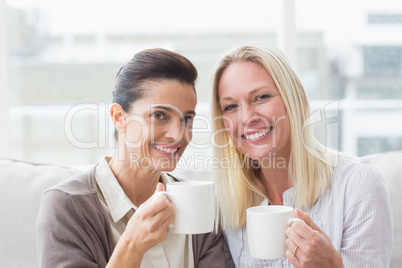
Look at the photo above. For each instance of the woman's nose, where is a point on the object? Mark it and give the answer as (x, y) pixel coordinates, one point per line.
(175, 130)
(248, 115)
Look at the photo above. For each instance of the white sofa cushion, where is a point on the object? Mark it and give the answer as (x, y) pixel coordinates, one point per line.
(390, 165)
(22, 185)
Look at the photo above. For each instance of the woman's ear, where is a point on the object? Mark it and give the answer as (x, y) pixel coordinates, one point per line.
(117, 115)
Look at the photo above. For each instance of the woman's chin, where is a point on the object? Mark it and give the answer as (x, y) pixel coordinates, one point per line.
(257, 154)
(166, 166)
(165, 169)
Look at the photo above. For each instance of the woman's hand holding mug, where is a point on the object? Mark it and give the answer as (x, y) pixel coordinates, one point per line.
(308, 245)
(149, 225)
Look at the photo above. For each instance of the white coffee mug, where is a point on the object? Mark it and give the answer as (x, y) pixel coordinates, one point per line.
(266, 227)
(194, 203)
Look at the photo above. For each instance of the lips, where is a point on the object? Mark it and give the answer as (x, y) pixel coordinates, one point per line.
(169, 150)
(257, 135)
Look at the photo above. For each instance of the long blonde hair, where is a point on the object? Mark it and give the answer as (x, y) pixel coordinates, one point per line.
(309, 169)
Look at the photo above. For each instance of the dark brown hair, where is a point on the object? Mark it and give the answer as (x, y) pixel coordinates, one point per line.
(147, 65)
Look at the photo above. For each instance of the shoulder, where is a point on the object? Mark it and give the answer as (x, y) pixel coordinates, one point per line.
(355, 178)
(81, 183)
(349, 169)
(75, 196)
(71, 220)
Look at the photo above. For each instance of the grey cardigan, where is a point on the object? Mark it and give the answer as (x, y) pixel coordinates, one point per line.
(72, 230)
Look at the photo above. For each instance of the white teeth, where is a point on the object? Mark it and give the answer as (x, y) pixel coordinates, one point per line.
(167, 150)
(257, 135)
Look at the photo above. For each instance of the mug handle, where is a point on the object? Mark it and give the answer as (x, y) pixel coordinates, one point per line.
(162, 193)
(171, 226)
(292, 220)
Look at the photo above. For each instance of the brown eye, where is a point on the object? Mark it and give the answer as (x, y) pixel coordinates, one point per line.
(188, 120)
(159, 116)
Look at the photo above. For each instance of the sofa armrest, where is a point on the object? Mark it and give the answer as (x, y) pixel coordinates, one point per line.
(390, 165)
(22, 185)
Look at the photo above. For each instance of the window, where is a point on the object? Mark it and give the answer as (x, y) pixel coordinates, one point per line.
(385, 18)
(379, 60)
(61, 65)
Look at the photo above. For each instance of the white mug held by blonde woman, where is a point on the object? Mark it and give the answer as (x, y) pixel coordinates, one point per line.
(266, 226)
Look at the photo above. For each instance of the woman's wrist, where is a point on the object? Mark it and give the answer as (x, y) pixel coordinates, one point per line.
(125, 255)
(337, 261)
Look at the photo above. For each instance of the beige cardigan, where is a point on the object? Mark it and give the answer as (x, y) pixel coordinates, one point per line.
(72, 230)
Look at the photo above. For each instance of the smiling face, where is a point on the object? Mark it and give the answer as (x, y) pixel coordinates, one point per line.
(254, 112)
(158, 127)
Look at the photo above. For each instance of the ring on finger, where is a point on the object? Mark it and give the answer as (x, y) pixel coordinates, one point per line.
(294, 251)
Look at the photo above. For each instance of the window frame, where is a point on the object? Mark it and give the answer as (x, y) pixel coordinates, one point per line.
(5, 149)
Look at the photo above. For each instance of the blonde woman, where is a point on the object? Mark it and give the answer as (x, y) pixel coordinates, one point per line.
(260, 113)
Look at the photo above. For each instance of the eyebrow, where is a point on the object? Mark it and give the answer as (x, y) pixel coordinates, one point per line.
(171, 110)
(250, 93)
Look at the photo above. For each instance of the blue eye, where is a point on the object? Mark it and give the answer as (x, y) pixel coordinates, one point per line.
(229, 107)
(263, 97)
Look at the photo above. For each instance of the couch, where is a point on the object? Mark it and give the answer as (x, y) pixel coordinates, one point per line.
(22, 185)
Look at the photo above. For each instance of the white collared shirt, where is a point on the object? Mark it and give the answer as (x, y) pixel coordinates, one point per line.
(175, 251)
(355, 212)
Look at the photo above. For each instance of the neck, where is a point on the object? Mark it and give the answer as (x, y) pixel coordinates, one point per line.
(275, 181)
(138, 184)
